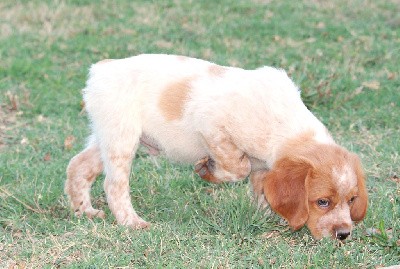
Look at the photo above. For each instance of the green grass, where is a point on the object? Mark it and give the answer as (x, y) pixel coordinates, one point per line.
(345, 56)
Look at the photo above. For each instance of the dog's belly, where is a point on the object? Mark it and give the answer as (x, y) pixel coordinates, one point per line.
(151, 145)
(176, 144)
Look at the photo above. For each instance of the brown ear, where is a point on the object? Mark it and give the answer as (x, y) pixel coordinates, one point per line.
(286, 190)
(359, 208)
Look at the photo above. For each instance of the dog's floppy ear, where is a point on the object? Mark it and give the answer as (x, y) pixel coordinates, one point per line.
(359, 208)
(285, 188)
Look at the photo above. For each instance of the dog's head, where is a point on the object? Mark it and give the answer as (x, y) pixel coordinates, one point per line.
(321, 186)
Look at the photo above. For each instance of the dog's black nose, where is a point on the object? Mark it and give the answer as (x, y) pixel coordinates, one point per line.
(342, 235)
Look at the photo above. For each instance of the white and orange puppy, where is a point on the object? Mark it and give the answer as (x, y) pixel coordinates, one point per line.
(228, 121)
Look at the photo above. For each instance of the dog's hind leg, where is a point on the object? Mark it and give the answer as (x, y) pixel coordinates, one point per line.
(114, 106)
(81, 173)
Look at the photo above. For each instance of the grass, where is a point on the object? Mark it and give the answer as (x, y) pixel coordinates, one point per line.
(344, 55)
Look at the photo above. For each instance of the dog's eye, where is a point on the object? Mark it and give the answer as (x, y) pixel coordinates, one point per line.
(324, 203)
(352, 200)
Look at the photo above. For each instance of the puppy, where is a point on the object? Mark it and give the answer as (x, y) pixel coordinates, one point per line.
(321, 185)
(228, 121)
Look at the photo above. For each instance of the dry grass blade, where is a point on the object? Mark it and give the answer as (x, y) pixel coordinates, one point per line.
(8, 194)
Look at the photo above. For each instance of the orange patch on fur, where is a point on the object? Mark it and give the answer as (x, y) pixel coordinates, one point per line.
(217, 70)
(173, 98)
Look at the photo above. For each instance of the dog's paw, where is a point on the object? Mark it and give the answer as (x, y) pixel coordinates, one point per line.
(140, 224)
(96, 214)
(90, 212)
(131, 220)
(204, 168)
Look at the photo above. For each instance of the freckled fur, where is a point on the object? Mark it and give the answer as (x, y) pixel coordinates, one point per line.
(229, 121)
(81, 173)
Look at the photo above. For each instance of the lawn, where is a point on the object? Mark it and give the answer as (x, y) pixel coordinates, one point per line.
(344, 55)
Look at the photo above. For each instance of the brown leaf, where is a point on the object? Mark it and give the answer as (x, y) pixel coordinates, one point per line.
(69, 142)
(47, 157)
(395, 178)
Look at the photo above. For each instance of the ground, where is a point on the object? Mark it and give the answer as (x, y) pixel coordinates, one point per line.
(344, 55)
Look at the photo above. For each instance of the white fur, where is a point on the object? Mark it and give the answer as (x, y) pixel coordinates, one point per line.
(253, 105)
(346, 179)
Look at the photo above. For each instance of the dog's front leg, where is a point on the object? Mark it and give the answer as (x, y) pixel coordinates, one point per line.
(226, 162)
